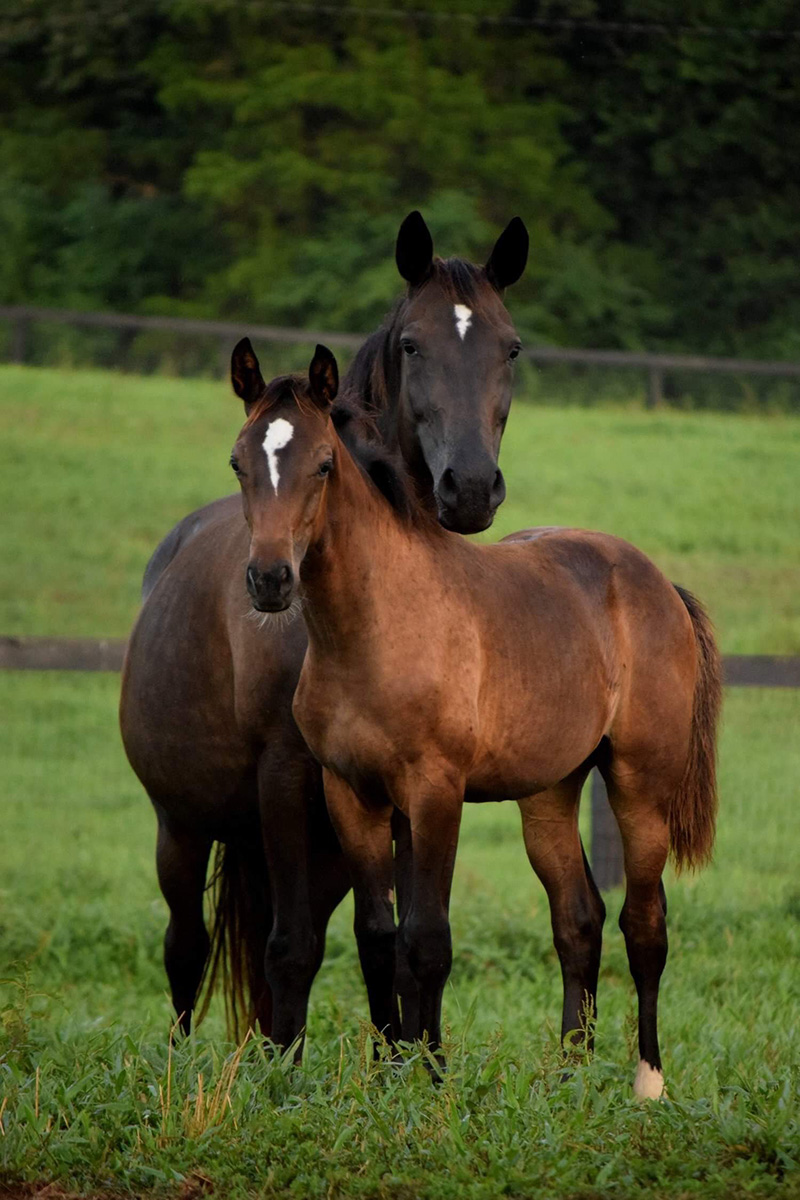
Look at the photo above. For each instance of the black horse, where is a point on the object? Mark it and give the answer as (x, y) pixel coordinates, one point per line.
(206, 708)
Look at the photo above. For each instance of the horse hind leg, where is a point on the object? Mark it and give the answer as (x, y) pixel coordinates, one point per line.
(641, 805)
(182, 862)
(555, 851)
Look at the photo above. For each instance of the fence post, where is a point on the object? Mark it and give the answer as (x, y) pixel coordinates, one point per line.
(19, 339)
(606, 857)
(124, 342)
(655, 387)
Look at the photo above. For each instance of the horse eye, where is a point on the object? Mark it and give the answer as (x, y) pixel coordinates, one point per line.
(514, 352)
(326, 467)
(235, 465)
(409, 348)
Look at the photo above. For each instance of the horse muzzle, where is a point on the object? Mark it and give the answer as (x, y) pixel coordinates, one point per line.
(467, 504)
(270, 590)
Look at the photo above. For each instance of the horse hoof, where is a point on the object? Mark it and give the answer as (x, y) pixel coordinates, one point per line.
(649, 1082)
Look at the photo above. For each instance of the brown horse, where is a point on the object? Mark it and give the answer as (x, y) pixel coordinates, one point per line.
(207, 691)
(439, 670)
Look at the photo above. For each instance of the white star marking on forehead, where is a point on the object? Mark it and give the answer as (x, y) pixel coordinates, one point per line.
(279, 434)
(463, 319)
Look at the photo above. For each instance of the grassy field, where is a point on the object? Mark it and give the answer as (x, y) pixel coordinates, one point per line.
(92, 1094)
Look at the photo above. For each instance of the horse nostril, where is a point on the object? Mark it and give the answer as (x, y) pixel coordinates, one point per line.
(499, 485)
(448, 482)
(285, 574)
(252, 579)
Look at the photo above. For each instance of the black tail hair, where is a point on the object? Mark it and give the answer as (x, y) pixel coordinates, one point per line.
(241, 918)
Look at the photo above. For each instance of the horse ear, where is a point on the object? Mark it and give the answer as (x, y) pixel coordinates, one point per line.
(246, 374)
(507, 260)
(414, 249)
(323, 375)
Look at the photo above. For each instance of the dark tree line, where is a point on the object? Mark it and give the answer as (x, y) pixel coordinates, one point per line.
(235, 158)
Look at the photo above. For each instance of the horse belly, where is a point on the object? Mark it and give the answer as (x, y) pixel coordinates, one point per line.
(528, 746)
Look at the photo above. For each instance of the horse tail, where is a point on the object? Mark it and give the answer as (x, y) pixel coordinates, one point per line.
(241, 917)
(693, 813)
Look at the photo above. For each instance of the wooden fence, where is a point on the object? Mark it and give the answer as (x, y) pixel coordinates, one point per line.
(106, 654)
(22, 317)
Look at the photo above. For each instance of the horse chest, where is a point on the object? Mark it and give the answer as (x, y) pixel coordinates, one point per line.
(374, 728)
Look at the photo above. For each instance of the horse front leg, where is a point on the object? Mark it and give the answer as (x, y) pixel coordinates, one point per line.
(365, 833)
(435, 818)
(289, 784)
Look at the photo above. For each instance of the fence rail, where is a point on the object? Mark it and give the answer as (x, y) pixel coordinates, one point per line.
(21, 317)
(61, 654)
(106, 654)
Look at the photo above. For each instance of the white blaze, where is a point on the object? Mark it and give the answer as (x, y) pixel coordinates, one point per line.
(649, 1082)
(279, 434)
(463, 319)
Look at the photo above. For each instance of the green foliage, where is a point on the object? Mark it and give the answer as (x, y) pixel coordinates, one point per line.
(229, 159)
(90, 162)
(691, 142)
(328, 130)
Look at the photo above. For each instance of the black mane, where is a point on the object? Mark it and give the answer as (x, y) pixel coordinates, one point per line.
(463, 282)
(383, 467)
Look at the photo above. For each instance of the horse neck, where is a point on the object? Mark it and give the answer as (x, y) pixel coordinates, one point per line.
(373, 383)
(386, 384)
(355, 571)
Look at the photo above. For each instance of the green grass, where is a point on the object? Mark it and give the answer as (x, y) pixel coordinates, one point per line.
(92, 1096)
(97, 466)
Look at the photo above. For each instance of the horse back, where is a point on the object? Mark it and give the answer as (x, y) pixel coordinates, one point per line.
(182, 533)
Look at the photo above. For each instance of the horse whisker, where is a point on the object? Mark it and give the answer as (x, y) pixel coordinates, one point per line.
(276, 620)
